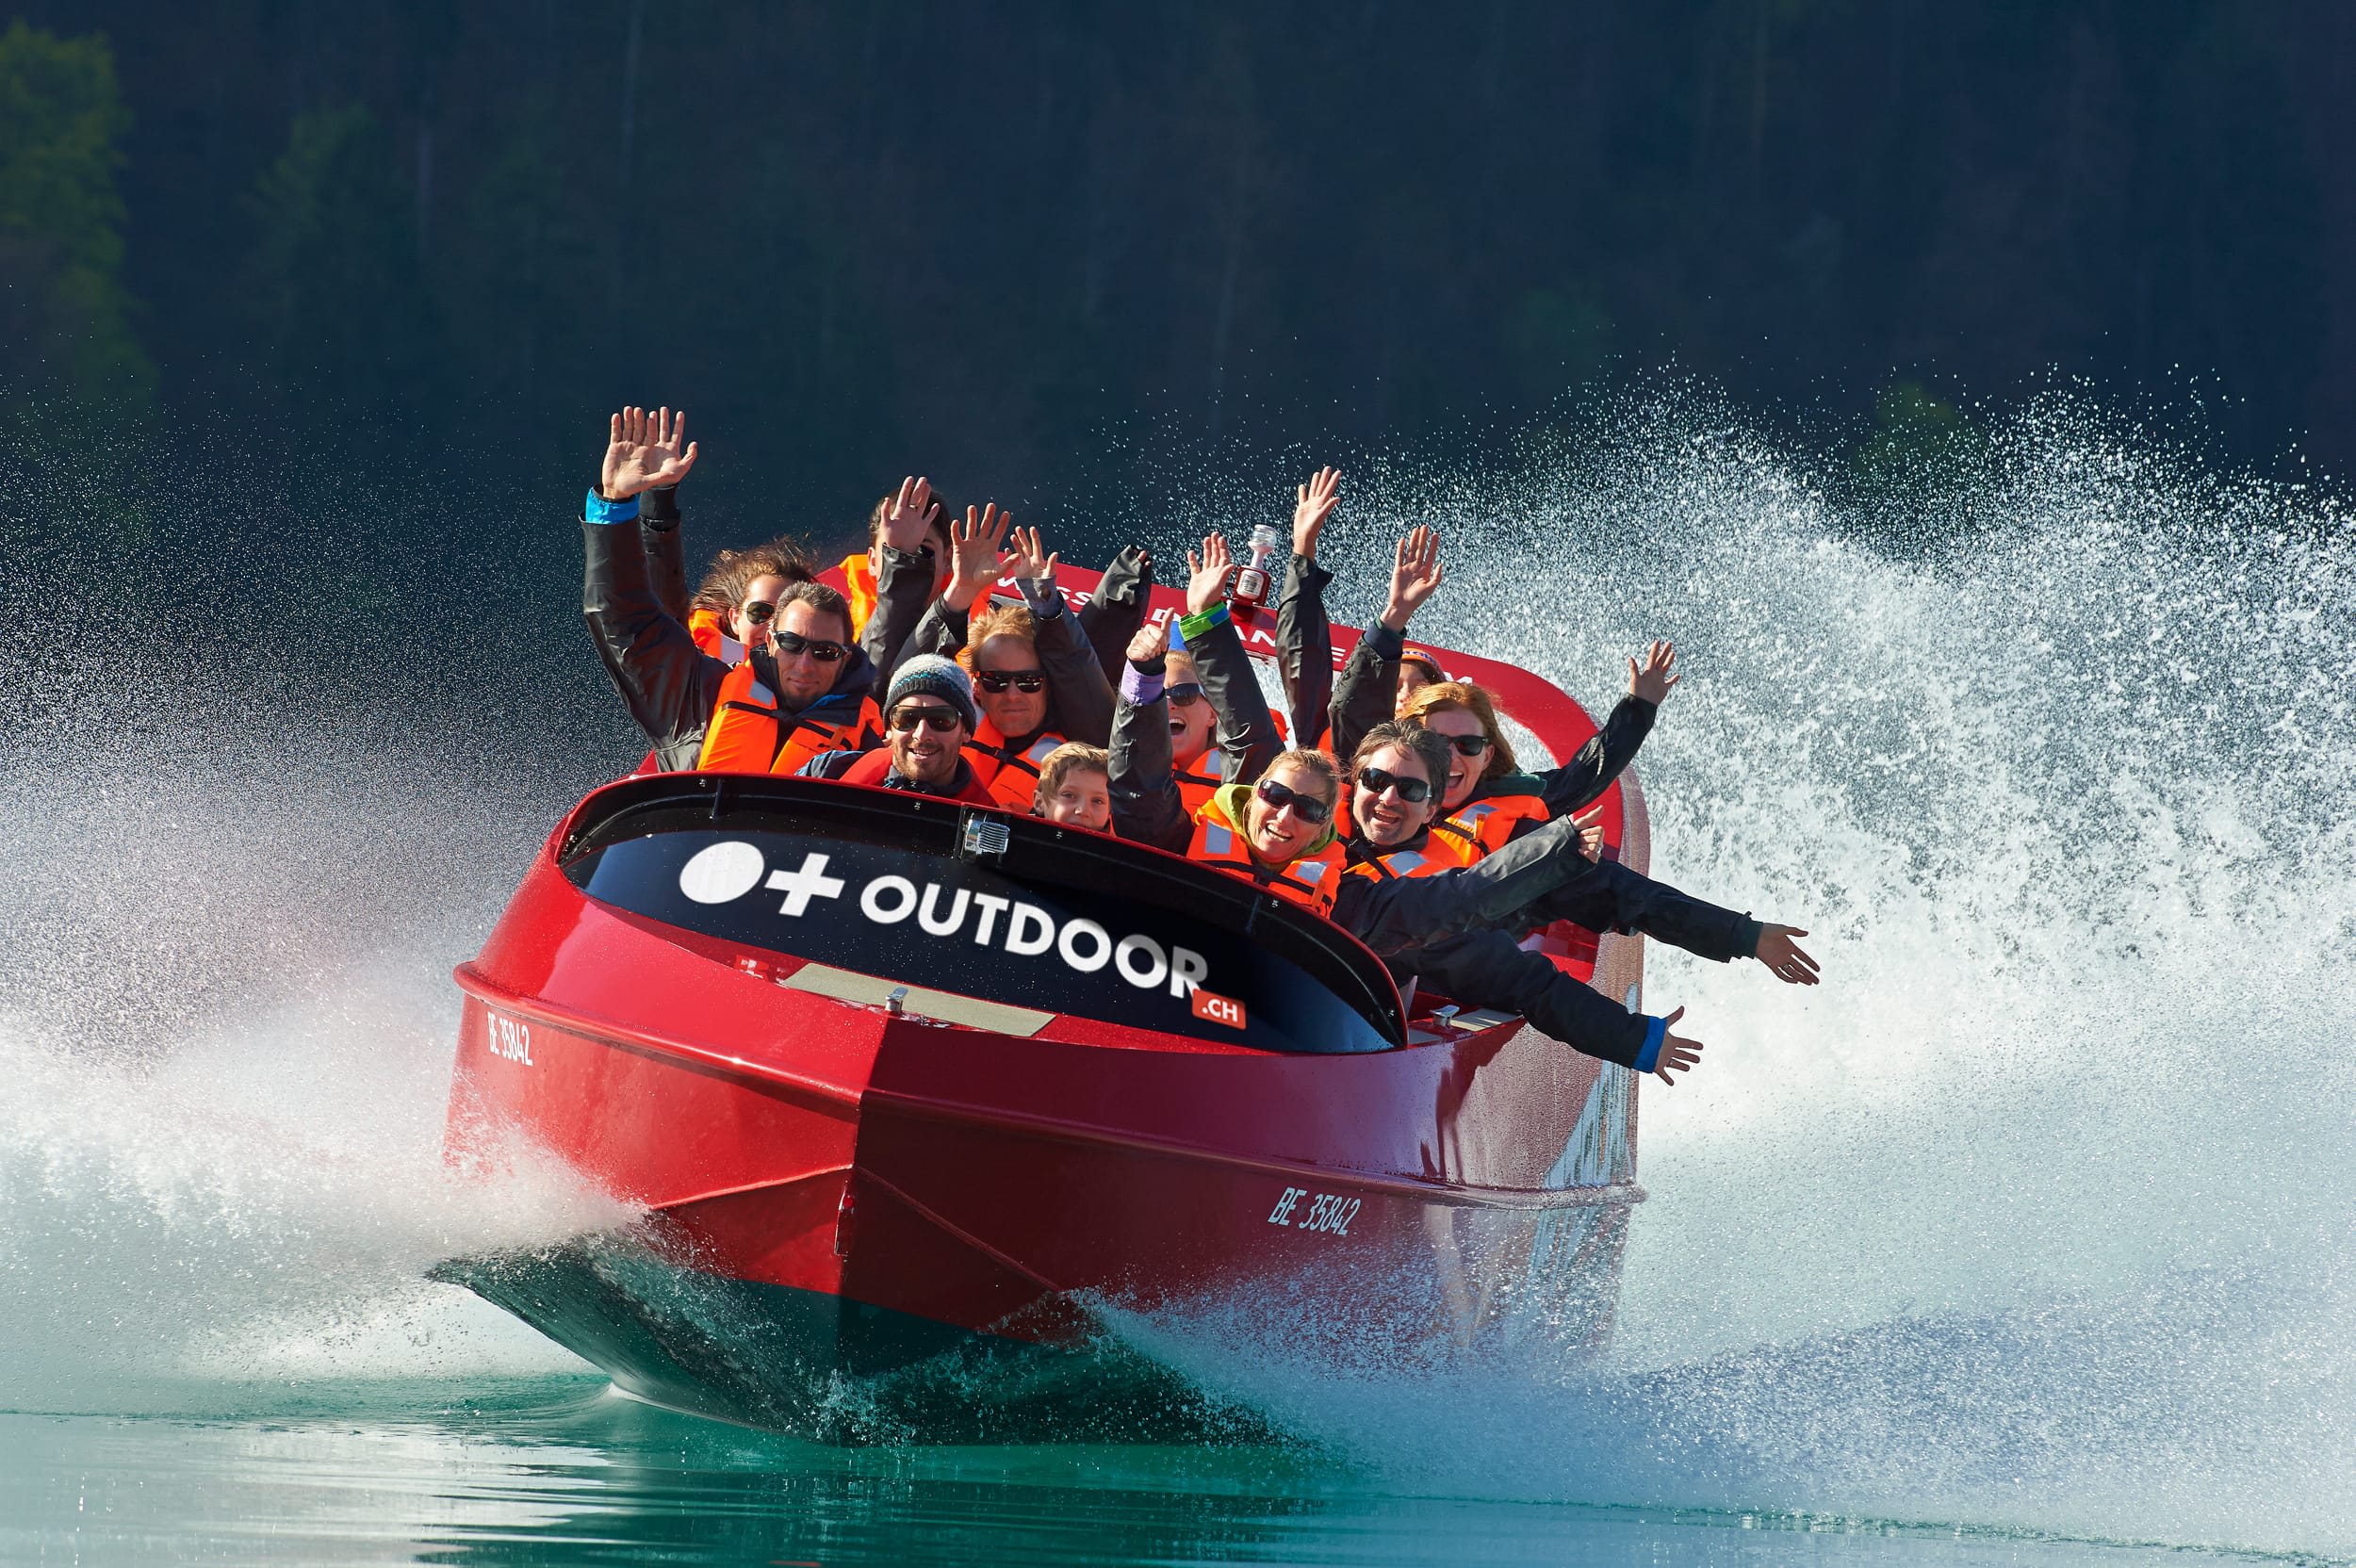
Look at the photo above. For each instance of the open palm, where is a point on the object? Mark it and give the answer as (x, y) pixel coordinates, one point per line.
(644, 451)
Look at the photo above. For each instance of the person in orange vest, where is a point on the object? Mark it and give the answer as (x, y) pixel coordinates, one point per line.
(1174, 704)
(739, 593)
(928, 716)
(1075, 788)
(1035, 679)
(803, 687)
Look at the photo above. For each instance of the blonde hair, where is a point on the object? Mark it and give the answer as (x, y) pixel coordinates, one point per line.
(1061, 763)
(999, 620)
(1310, 760)
(1462, 697)
(1170, 664)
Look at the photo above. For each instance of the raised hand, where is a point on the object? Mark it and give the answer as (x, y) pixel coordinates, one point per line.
(1150, 643)
(1785, 958)
(1590, 825)
(1652, 683)
(1415, 576)
(1029, 562)
(974, 551)
(910, 514)
(1678, 1054)
(1317, 501)
(643, 452)
(1206, 583)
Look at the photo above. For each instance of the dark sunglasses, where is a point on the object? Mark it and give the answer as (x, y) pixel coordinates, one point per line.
(1184, 695)
(793, 641)
(994, 681)
(1413, 791)
(1467, 745)
(1307, 807)
(941, 721)
(759, 612)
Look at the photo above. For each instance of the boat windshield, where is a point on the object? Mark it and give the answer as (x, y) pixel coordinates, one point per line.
(1008, 909)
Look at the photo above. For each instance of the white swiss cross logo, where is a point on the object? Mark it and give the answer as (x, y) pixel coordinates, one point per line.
(800, 886)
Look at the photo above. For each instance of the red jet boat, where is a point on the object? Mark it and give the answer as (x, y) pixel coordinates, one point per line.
(924, 1101)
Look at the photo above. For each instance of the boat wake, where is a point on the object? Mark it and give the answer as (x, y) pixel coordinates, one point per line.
(2036, 1215)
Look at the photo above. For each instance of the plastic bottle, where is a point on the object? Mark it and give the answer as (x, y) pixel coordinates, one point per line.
(1251, 583)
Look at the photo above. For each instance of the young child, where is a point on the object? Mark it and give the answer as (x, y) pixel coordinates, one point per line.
(1075, 787)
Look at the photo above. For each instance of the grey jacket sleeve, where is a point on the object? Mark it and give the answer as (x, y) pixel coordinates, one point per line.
(1247, 731)
(941, 631)
(1368, 688)
(668, 683)
(1618, 899)
(1117, 609)
(1305, 645)
(1484, 968)
(666, 551)
(1493, 894)
(1578, 781)
(903, 590)
(1147, 806)
(1082, 697)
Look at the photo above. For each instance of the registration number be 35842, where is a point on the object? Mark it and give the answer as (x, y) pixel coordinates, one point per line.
(1330, 1213)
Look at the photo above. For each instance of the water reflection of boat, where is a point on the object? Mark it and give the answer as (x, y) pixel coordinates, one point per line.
(910, 1090)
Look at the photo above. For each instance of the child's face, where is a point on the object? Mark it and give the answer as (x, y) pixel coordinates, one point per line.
(1084, 799)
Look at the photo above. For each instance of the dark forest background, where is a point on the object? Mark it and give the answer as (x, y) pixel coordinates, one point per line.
(432, 239)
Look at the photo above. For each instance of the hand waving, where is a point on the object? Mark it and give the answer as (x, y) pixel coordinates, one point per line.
(908, 514)
(1785, 958)
(643, 452)
(974, 549)
(1652, 683)
(1207, 583)
(1029, 562)
(1590, 825)
(1415, 576)
(1678, 1054)
(1318, 499)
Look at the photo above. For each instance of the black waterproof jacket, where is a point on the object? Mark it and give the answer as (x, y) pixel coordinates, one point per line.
(667, 682)
(1147, 805)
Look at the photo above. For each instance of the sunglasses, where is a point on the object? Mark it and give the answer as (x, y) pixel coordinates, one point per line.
(1308, 808)
(790, 642)
(1467, 745)
(994, 681)
(1184, 695)
(1413, 791)
(759, 612)
(941, 721)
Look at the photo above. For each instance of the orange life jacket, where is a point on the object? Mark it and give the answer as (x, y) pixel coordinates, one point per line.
(1485, 824)
(1195, 784)
(1310, 881)
(858, 586)
(877, 766)
(1435, 853)
(745, 735)
(1009, 774)
(711, 634)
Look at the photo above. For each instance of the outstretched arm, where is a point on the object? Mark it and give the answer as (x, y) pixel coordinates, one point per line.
(976, 562)
(1147, 806)
(1118, 608)
(1611, 749)
(1080, 699)
(903, 583)
(1369, 690)
(667, 684)
(1305, 637)
(1486, 969)
(1247, 731)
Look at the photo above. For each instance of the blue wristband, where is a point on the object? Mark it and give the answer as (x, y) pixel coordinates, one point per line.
(596, 509)
(1648, 1057)
(1195, 628)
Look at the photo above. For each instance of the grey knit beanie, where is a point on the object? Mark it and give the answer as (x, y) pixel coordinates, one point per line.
(929, 674)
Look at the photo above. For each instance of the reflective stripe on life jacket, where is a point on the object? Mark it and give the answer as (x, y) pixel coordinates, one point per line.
(1435, 854)
(858, 586)
(745, 735)
(711, 632)
(1484, 825)
(1309, 882)
(1010, 774)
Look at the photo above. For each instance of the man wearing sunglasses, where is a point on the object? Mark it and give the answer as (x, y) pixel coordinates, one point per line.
(928, 715)
(801, 690)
